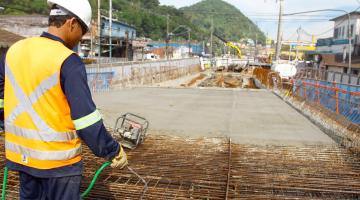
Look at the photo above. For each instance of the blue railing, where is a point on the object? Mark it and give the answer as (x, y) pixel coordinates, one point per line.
(338, 98)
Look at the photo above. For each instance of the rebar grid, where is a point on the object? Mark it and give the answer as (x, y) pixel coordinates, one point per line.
(176, 168)
(281, 172)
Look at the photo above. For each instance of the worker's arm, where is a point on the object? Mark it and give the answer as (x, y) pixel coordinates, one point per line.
(2, 81)
(86, 117)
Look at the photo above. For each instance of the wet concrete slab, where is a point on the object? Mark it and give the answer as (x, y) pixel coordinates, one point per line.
(247, 116)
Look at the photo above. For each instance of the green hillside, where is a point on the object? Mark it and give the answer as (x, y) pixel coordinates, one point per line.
(229, 22)
(148, 16)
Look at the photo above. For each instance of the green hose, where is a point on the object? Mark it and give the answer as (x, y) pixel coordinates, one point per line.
(98, 172)
(3, 193)
(83, 195)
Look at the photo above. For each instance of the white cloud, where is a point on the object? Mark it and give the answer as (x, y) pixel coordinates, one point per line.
(265, 12)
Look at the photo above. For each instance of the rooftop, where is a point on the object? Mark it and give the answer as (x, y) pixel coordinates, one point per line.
(7, 38)
(118, 22)
(345, 15)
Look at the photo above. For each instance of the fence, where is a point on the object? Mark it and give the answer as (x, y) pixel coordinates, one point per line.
(338, 98)
(328, 76)
(104, 77)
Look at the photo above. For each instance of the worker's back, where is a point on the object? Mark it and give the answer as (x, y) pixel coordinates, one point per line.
(38, 126)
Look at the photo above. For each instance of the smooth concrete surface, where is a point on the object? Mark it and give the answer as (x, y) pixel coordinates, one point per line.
(247, 116)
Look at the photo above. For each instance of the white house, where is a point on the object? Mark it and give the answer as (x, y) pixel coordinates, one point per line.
(335, 50)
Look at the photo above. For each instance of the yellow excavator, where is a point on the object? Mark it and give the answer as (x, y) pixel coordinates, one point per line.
(231, 45)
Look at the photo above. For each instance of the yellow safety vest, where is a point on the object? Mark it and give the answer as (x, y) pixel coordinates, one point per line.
(39, 131)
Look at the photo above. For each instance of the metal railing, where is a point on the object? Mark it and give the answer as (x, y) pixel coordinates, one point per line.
(338, 98)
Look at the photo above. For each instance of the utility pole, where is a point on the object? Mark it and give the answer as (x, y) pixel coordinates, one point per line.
(110, 30)
(278, 45)
(256, 44)
(297, 43)
(189, 35)
(290, 52)
(211, 36)
(99, 29)
(127, 45)
(256, 50)
(91, 43)
(167, 38)
(204, 47)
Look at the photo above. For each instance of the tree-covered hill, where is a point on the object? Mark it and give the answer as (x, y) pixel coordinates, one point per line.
(228, 21)
(150, 18)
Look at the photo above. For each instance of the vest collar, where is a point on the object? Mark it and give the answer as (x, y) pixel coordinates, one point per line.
(52, 37)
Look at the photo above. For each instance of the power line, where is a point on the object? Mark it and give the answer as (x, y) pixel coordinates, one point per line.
(336, 26)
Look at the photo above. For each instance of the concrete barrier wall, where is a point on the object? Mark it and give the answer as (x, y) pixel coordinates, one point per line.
(118, 75)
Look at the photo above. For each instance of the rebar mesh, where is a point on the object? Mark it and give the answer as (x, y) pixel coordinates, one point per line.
(281, 172)
(176, 168)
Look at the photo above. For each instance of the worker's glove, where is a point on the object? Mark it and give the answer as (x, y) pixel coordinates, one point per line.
(120, 161)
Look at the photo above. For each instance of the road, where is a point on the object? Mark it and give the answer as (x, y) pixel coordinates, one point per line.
(255, 117)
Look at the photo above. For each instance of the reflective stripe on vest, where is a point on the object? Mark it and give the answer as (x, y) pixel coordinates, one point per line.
(43, 155)
(40, 90)
(40, 135)
(45, 133)
(88, 120)
(1, 103)
(25, 103)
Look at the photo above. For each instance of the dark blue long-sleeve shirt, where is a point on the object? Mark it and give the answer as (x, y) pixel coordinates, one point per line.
(73, 82)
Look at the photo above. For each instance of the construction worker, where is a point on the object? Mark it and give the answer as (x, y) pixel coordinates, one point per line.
(48, 110)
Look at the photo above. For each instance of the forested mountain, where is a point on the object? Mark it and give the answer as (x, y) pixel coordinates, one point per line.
(150, 18)
(228, 21)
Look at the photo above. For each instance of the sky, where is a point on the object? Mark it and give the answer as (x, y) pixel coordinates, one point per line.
(265, 13)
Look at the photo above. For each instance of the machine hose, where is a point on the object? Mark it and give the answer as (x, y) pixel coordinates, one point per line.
(3, 193)
(87, 191)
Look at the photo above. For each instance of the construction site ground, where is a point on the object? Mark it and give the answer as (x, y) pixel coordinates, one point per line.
(247, 116)
(274, 151)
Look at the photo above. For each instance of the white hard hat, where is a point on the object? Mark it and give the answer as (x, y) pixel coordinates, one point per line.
(80, 8)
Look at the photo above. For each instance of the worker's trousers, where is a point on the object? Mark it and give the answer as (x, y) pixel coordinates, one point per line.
(63, 188)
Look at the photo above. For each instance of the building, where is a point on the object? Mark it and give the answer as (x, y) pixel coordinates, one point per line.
(7, 39)
(175, 50)
(120, 30)
(333, 53)
(122, 37)
(26, 26)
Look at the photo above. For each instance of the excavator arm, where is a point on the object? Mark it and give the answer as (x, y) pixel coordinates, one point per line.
(231, 45)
